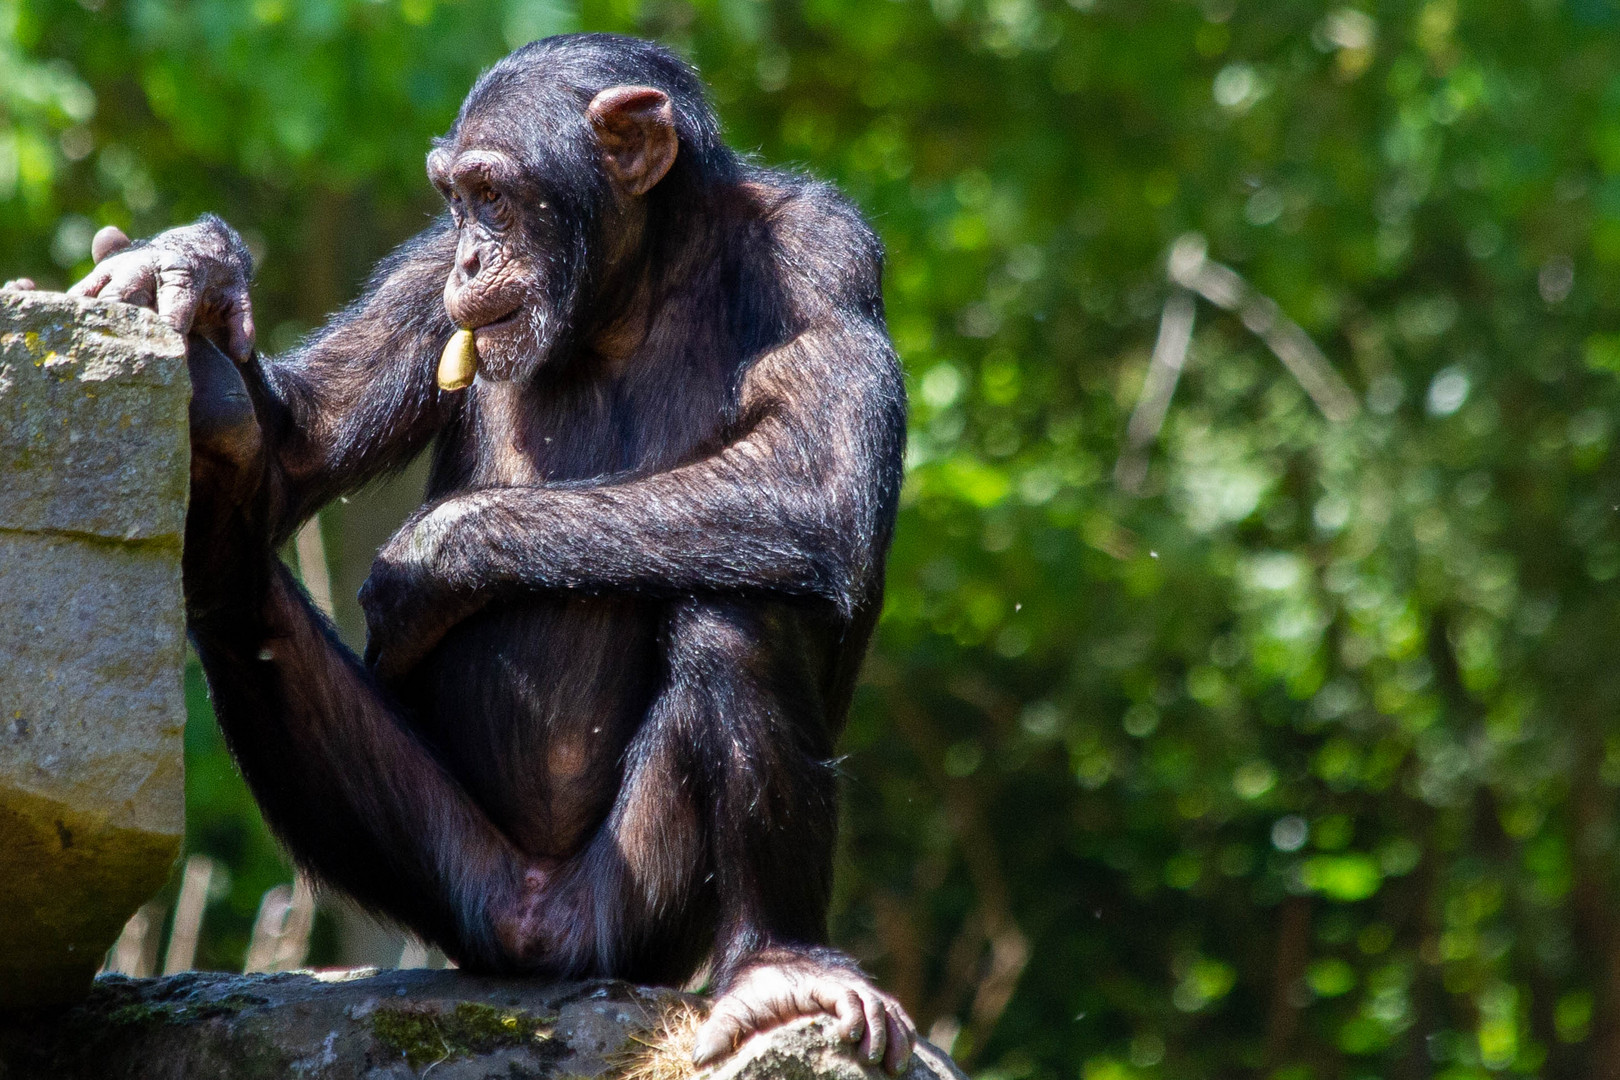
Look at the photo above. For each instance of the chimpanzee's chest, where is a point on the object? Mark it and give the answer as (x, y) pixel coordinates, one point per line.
(597, 429)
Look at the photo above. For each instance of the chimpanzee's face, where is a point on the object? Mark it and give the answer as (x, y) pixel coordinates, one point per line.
(502, 286)
(531, 182)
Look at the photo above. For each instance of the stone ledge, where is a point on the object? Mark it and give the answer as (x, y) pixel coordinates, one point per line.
(394, 1025)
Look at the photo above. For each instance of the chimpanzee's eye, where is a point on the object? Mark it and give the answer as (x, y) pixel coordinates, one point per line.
(452, 199)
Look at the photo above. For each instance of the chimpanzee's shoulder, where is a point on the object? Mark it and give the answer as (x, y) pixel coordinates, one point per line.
(821, 237)
(819, 218)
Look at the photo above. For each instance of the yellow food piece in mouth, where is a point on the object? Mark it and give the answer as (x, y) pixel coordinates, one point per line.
(459, 361)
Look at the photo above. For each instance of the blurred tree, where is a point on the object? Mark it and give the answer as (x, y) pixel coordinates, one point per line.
(1296, 758)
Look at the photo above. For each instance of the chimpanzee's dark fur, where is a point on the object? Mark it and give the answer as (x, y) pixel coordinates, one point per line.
(654, 577)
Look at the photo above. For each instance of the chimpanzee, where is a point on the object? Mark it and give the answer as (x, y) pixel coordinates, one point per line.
(608, 659)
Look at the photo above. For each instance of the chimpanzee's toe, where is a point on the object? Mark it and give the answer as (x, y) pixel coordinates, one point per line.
(775, 993)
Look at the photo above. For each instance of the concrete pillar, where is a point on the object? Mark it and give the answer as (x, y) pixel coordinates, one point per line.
(94, 466)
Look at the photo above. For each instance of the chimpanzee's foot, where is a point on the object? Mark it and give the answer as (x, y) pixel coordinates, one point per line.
(786, 986)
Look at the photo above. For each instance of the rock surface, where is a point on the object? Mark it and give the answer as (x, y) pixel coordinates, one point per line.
(400, 1024)
(93, 480)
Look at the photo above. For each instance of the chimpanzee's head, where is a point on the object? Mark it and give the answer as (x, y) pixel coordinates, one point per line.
(565, 156)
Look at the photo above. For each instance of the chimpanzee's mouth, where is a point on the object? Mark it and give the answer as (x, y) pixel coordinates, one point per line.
(501, 323)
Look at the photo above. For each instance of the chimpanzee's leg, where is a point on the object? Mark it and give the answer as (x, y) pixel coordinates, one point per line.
(772, 827)
(727, 812)
(637, 902)
(339, 777)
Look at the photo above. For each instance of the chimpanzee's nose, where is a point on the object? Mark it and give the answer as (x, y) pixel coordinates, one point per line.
(468, 263)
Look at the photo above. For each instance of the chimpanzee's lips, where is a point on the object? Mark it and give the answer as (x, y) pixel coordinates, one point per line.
(499, 324)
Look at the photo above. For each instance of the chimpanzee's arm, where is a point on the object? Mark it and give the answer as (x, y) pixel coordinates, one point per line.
(358, 398)
(799, 504)
(355, 400)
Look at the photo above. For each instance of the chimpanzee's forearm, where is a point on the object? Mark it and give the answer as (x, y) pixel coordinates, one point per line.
(714, 527)
(358, 398)
(798, 505)
(672, 535)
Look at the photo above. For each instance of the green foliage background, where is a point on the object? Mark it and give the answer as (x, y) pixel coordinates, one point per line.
(1302, 762)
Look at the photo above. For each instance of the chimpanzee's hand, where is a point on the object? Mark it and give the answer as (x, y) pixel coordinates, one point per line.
(195, 276)
(418, 590)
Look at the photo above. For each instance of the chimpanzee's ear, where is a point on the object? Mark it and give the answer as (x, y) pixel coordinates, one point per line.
(636, 126)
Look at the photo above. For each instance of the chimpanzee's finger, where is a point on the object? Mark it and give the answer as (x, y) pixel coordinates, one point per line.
(239, 323)
(901, 1039)
(22, 284)
(834, 998)
(92, 283)
(716, 1037)
(875, 1039)
(108, 241)
(177, 297)
(130, 281)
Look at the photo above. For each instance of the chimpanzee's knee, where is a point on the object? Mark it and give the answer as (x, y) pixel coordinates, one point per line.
(226, 550)
(224, 428)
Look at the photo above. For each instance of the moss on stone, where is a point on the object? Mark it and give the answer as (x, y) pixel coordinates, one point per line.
(426, 1035)
(140, 1014)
